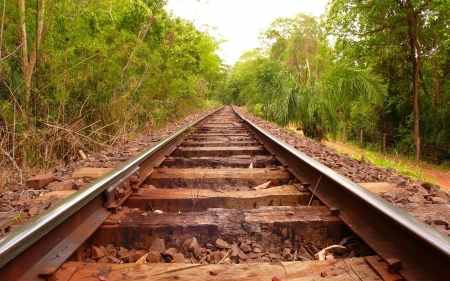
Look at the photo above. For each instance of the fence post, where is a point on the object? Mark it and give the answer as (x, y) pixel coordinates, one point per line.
(361, 139)
(344, 137)
(384, 143)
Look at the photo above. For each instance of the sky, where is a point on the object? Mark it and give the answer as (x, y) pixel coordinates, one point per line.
(239, 22)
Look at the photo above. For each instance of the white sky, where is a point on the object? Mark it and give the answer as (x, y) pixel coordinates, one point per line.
(240, 21)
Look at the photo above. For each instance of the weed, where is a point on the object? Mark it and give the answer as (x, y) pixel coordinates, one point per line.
(17, 218)
(401, 166)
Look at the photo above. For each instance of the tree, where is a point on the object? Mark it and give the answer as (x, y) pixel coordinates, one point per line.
(382, 27)
(106, 68)
(294, 81)
(29, 58)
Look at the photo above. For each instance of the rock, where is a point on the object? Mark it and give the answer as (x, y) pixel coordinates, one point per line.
(234, 251)
(391, 170)
(4, 226)
(442, 194)
(304, 253)
(211, 247)
(185, 246)
(103, 250)
(169, 254)
(403, 201)
(247, 227)
(11, 197)
(440, 222)
(434, 189)
(257, 250)
(135, 256)
(421, 194)
(61, 185)
(33, 211)
(194, 247)
(97, 253)
(109, 248)
(414, 199)
(427, 185)
(287, 254)
(438, 200)
(60, 169)
(153, 257)
(274, 257)
(158, 245)
(78, 184)
(123, 254)
(400, 182)
(113, 260)
(17, 203)
(246, 248)
(242, 256)
(39, 181)
(222, 254)
(113, 252)
(352, 170)
(253, 255)
(412, 189)
(214, 257)
(443, 229)
(390, 195)
(256, 245)
(179, 258)
(222, 244)
(323, 273)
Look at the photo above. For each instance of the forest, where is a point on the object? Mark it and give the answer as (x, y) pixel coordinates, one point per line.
(85, 74)
(381, 67)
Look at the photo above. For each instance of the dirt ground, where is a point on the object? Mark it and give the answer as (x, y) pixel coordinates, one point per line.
(432, 172)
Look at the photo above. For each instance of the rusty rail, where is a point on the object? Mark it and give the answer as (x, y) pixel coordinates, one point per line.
(399, 238)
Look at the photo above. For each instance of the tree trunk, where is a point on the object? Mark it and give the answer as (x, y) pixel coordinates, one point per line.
(416, 57)
(1, 28)
(29, 60)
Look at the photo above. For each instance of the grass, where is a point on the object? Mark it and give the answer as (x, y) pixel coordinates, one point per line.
(403, 167)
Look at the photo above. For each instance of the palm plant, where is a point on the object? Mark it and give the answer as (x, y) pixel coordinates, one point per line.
(314, 105)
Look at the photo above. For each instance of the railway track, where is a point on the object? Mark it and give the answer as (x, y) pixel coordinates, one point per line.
(223, 200)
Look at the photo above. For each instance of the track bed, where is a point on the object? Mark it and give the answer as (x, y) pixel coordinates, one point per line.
(219, 201)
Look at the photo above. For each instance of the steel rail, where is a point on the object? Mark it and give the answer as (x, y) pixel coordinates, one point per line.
(22, 238)
(392, 233)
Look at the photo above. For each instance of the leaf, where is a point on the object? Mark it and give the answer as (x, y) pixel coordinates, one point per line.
(265, 185)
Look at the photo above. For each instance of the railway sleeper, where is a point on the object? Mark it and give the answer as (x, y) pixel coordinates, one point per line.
(216, 178)
(239, 161)
(196, 200)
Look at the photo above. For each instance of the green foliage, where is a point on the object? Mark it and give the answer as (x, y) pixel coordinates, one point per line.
(401, 167)
(105, 68)
(381, 35)
(293, 80)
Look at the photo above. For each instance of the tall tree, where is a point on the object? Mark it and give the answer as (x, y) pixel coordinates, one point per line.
(29, 58)
(381, 27)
